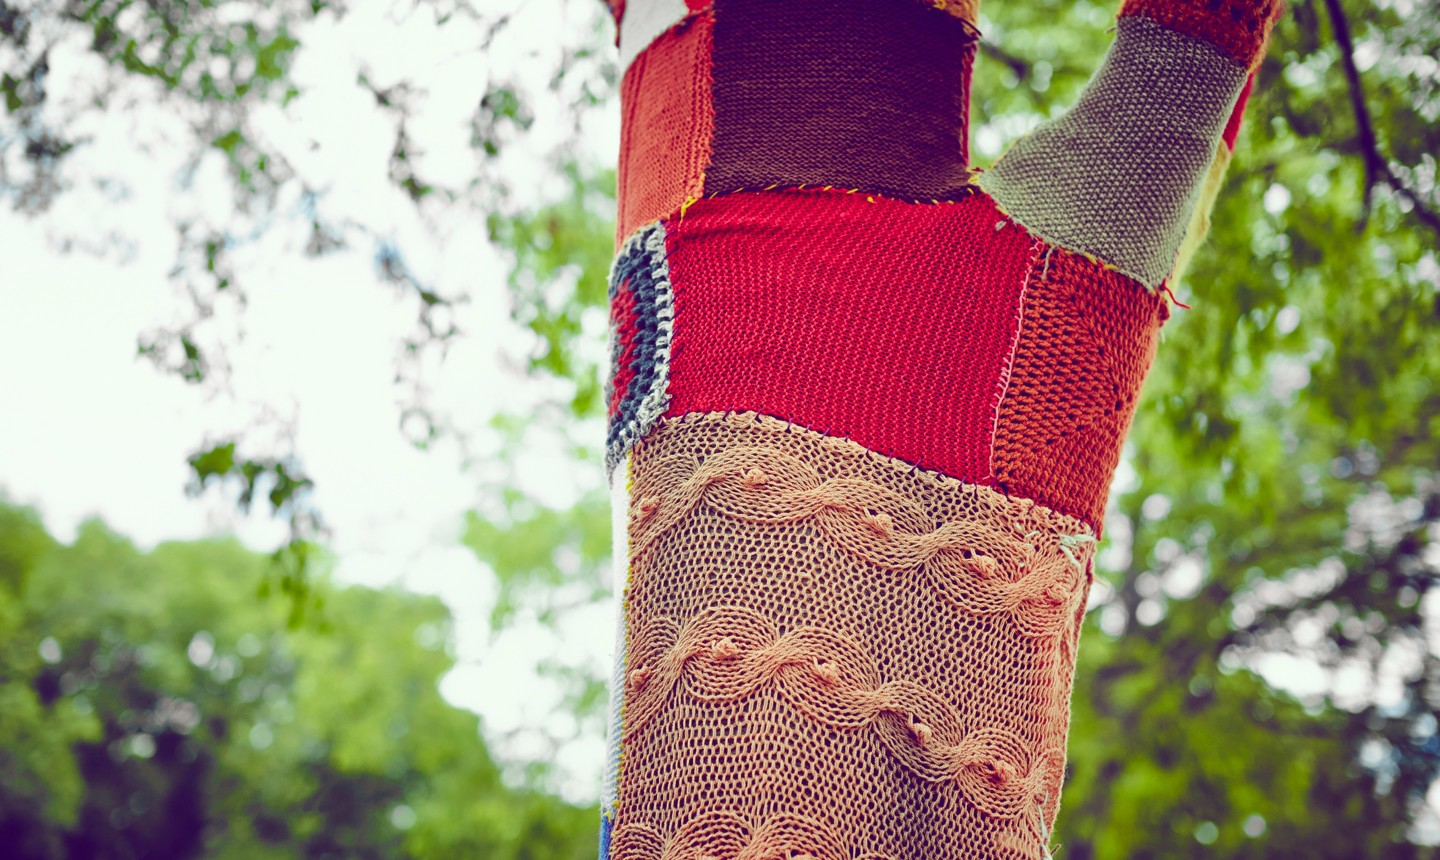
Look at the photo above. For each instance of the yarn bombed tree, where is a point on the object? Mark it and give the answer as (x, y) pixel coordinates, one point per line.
(865, 408)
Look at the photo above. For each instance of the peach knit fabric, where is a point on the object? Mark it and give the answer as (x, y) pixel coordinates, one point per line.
(835, 655)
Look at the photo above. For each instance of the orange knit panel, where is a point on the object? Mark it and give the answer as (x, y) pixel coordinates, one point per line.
(1087, 337)
(833, 654)
(1239, 28)
(667, 124)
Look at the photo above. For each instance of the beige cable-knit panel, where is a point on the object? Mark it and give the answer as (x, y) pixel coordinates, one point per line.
(836, 655)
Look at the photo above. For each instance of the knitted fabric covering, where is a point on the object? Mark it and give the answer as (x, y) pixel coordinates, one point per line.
(866, 94)
(834, 654)
(1200, 220)
(642, 311)
(1210, 190)
(1117, 176)
(1086, 342)
(639, 33)
(865, 412)
(667, 125)
(943, 336)
(884, 322)
(1239, 28)
(966, 10)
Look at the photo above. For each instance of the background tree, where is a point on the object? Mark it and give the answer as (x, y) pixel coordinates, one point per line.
(1277, 520)
(155, 708)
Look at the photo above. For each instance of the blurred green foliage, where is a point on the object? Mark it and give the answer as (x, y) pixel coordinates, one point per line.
(152, 706)
(1281, 497)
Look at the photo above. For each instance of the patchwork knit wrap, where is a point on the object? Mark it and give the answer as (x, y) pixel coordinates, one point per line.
(865, 407)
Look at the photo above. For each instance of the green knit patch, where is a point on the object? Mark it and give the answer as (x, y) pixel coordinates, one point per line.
(1118, 175)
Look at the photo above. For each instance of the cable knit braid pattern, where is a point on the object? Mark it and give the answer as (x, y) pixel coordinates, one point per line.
(865, 406)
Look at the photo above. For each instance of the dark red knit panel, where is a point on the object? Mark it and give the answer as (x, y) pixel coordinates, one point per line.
(666, 123)
(866, 94)
(1232, 127)
(623, 318)
(885, 322)
(1086, 342)
(1239, 29)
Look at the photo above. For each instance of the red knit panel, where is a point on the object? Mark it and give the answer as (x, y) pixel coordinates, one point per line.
(1239, 28)
(667, 125)
(1232, 127)
(888, 323)
(622, 317)
(1086, 342)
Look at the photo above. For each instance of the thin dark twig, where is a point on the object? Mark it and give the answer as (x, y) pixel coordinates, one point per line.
(1365, 129)
(1377, 166)
(1020, 67)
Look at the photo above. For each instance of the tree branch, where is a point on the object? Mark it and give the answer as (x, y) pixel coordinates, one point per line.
(1377, 166)
(1020, 67)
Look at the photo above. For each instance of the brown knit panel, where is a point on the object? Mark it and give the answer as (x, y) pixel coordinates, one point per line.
(833, 653)
(864, 94)
(1087, 337)
(1239, 28)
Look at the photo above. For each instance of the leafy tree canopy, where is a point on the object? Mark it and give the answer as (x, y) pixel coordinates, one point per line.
(151, 706)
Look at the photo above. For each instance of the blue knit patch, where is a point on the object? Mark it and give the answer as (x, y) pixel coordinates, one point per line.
(606, 824)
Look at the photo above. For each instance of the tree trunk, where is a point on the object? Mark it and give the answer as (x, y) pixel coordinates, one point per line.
(865, 406)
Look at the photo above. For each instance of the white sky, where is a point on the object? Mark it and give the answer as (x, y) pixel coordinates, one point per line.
(90, 429)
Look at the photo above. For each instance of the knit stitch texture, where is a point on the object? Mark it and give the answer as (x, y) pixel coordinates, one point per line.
(865, 410)
(1119, 174)
(864, 94)
(864, 318)
(1088, 338)
(831, 653)
(1238, 28)
(642, 315)
(667, 128)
